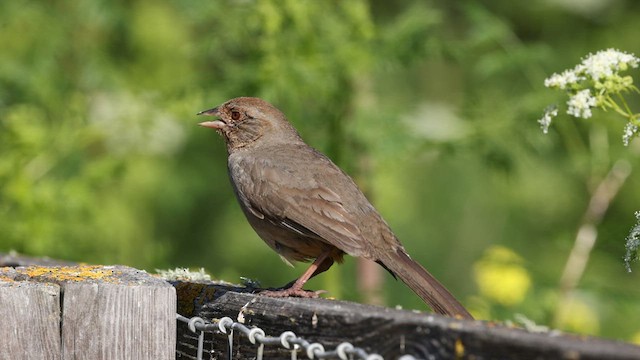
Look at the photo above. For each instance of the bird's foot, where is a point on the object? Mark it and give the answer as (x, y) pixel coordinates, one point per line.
(292, 292)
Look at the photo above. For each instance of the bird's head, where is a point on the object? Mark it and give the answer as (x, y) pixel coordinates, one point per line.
(248, 121)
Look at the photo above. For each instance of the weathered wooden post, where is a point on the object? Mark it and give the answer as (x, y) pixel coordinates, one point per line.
(29, 318)
(85, 312)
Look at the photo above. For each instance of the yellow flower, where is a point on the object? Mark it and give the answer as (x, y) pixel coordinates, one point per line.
(577, 316)
(501, 277)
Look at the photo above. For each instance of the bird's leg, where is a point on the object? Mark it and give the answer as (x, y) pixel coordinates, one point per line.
(320, 268)
(321, 264)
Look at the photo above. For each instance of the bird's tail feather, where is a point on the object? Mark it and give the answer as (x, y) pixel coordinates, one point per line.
(424, 284)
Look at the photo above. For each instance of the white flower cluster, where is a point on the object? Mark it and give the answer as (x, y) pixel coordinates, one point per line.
(601, 65)
(545, 121)
(560, 81)
(633, 244)
(581, 103)
(592, 83)
(606, 62)
(630, 130)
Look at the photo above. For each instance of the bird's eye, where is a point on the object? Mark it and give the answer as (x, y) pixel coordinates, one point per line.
(235, 115)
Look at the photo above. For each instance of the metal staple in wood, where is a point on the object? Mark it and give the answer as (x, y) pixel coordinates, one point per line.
(287, 340)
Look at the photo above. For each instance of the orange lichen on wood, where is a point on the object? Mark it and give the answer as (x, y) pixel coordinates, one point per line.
(70, 273)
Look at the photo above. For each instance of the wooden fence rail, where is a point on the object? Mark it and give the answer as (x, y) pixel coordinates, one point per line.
(388, 332)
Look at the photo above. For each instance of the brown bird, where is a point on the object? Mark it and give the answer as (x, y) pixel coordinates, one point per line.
(304, 207)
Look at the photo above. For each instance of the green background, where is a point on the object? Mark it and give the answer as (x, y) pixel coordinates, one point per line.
(430, 105)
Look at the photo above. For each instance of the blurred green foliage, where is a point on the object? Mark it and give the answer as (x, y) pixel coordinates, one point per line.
(431, 106)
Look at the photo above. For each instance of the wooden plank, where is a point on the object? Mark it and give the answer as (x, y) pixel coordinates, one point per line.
(111, 312)
(29, 318)
(388, 332)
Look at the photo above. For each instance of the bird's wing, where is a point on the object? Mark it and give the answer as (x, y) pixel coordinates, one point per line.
(299, 199)
(317, 210)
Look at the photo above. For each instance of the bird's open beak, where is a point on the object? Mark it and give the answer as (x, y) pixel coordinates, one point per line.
(218, 124)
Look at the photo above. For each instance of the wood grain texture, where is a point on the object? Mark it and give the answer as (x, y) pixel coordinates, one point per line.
(388, 332)
(133, 318)
(29, 319)
(99, 312)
